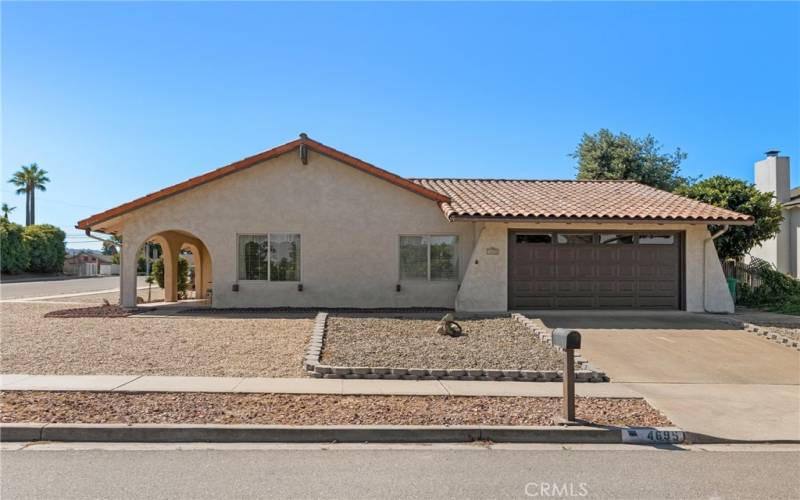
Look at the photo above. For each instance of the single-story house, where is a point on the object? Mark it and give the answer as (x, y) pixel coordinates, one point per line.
(305, 225)
(86, 263)
(772, 176)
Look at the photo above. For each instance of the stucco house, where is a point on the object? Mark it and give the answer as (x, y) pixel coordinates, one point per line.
(772, 176)
(305, 225)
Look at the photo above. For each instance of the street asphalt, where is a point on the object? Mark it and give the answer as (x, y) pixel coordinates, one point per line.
(32, 289)
(393, 471)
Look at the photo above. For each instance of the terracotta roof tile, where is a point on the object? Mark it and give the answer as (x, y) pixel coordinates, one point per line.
(582, 200)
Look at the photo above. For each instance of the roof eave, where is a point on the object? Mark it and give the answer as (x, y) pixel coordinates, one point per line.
(250, 161)
(609, 220)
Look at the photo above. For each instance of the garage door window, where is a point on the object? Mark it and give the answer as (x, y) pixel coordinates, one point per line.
(616, 239)
(656, 239)
(535, 238)
(575, 239)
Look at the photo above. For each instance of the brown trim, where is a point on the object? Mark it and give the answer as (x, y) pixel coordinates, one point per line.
(608, 220)
(253, 160)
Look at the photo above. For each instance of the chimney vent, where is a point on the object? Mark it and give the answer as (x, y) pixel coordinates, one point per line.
(772, 152)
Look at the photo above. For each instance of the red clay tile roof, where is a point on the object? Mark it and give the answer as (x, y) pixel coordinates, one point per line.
(486, 198)
(253, 160)
(572, 200)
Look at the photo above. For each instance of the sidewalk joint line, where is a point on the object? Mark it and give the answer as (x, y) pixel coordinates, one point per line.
(128, 382)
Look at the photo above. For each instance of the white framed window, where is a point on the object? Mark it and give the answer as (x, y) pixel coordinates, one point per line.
(269, 257)
(429, 257)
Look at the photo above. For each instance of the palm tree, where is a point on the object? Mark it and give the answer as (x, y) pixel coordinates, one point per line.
(6, 210)
(27, 180)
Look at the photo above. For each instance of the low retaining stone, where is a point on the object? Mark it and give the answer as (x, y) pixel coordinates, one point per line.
(762, 331)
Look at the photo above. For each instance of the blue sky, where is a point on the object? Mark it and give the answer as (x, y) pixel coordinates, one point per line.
(117, 100)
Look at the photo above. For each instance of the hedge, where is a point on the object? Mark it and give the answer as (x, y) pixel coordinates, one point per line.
(14, 255)
(46, 248)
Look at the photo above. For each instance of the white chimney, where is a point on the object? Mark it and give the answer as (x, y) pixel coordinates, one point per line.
(772, 176)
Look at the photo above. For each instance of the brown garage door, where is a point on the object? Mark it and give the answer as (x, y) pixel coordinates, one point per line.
(594, 270)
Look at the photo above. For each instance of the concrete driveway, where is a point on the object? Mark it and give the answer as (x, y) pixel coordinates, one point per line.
(677, 347)
(706, 376)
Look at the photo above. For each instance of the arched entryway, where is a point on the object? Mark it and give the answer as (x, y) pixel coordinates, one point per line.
(172, 244)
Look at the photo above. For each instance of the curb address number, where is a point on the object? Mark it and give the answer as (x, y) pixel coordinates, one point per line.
(650, 435)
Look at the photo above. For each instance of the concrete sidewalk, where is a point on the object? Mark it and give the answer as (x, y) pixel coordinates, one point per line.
(133, 383)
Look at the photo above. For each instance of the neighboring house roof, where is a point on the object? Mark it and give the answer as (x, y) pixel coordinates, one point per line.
(486, 198)
(581, 200)
(794, 198)
(253, 160)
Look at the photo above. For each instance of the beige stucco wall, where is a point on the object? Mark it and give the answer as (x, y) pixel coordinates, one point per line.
(349, 222)
(485, 284)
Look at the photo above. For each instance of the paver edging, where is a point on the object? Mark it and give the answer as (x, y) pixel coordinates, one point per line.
(587, 372)
(316, 369)
(762, 331)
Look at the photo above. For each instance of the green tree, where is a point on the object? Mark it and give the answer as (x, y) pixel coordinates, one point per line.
(6, 211)
(46, 248)
(606, 156)
(157, 272)
(742, 197)
(27, 180)
(14, 257)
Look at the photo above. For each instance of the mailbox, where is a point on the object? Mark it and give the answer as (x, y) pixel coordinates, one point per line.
(566, 338)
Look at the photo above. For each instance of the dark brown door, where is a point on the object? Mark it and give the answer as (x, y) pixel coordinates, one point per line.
(594, 270)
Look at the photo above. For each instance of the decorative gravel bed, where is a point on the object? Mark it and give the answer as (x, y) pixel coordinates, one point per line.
(792, 333)
(142, 345)
(407, 342)
(288, 409)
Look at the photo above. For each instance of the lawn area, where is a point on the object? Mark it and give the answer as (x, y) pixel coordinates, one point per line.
(253, 345)
(412, 342)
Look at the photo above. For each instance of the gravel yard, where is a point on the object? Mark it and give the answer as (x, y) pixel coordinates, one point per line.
(405, 343)
(287, 409)
(156, 295)
(265, 346)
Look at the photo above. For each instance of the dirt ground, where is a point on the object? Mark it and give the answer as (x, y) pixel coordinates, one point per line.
(266, 346)
(288, 409)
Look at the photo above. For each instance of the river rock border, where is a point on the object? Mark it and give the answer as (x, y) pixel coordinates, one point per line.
(762, 331)
(315, 369)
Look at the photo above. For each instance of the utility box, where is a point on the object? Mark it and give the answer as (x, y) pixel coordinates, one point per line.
(566, 338)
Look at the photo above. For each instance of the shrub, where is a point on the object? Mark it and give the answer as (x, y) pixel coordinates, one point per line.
(14, 257)
(778, 292)
(46, 248)
(157, 272)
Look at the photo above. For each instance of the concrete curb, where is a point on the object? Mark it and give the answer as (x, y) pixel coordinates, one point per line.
(182, 433)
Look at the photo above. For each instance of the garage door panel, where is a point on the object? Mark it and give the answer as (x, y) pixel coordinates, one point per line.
(616, 302)
(583, 275)
(574, 302)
